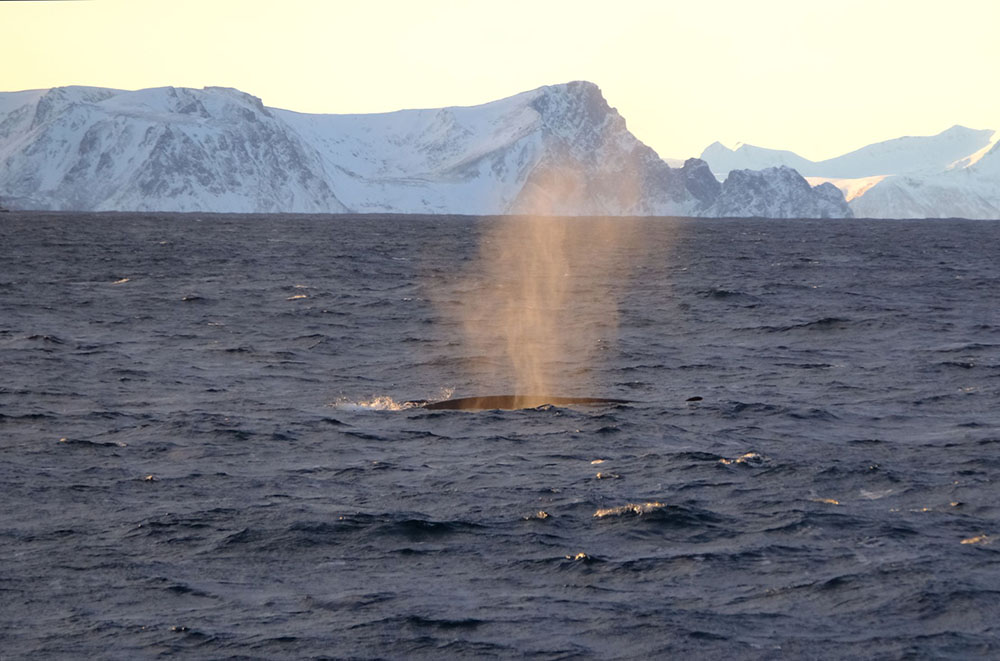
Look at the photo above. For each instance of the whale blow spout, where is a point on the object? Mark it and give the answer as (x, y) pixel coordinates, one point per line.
(515, 402)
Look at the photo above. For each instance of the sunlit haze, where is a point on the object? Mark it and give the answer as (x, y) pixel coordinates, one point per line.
(813, 77)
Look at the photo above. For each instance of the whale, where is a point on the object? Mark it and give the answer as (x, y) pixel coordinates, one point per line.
(513, 402)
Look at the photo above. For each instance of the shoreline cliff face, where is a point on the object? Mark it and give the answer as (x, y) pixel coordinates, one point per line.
(556, 150)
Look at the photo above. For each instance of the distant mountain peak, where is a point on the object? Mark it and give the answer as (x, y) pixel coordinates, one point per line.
(954, 173)
(903, 155)
(960, 129)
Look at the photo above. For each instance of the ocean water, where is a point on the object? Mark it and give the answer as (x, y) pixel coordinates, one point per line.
(204, 451)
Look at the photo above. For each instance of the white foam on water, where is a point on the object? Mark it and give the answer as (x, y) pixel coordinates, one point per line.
(386, 403)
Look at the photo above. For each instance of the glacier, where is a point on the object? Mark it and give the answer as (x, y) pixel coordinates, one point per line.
(556, 150)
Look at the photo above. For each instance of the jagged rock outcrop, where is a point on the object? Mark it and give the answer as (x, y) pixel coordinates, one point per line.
(778, 192)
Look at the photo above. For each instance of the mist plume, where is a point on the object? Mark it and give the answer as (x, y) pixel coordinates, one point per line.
(541, 302)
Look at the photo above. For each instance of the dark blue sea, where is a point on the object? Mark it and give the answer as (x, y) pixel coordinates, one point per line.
(206, 451)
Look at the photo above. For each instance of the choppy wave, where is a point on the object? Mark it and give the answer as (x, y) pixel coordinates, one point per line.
(224, 455)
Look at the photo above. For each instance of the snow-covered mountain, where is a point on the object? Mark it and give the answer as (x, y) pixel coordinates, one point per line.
(166, 149)
(723, 160)
(971, 189)
(906, 155)
(559, 149)
(955, 173)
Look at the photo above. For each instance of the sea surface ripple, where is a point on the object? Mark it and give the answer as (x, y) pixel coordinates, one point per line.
(203, 452)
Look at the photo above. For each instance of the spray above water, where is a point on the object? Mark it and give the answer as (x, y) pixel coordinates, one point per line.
(537, 310)
(540, 306)
(379, 403)
(384, 403)
(545, 304)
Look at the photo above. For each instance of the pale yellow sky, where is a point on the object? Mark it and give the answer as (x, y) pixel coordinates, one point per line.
(819, 78)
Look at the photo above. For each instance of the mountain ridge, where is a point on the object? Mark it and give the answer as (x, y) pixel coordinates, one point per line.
(559, 149)
(952, 174)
